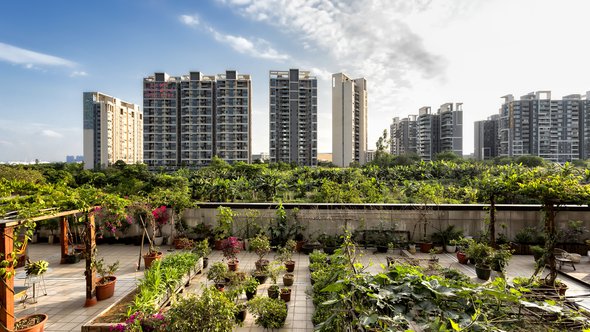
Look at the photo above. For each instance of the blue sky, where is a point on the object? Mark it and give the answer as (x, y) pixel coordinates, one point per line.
(412, 53)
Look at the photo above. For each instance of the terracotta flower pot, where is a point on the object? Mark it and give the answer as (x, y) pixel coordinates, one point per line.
(31, 323)
(462, 257)
(150, 257)
(105, 287)
(425, 247)
(233, 265)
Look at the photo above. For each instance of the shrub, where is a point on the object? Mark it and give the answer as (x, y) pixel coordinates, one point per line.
(269, 313)
(212, 311)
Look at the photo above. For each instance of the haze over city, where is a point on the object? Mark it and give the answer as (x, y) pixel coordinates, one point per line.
(412, 54)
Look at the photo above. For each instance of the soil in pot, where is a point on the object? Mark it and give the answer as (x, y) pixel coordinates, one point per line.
(483, 272)
(105, 287)
(286, 295)
(288, 279)
(382, 249)
(233, 266)
(149, 258)
(261, 265)
(290, 265)
(273, 292)
(31, 323)
(261, 278)
(250, 295)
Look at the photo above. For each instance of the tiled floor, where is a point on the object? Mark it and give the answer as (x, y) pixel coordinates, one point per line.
(66, 284)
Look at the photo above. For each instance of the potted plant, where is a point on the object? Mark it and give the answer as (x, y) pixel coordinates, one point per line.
(261, 246)
(52, 226)
(425, 245)
(382, 242)
(270, 313)
(274, 269)
(288, 279)
(445, 236)
(105, 285)
(433, 257)
(500, 258)
(225, 221)
(31, 323)
(286, 294)
(481, 254)
(36, 268)
(329, 242)
(538, 252)
(202, 249)
(451, 247)
(250, 287)
(286, 255)
(412, 248)
(160, 216)
(217, 273)
(231, 247)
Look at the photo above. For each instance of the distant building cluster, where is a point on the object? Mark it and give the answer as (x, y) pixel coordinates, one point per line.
(427, 133)
(557, 130)
(189, 119)
(74, 159)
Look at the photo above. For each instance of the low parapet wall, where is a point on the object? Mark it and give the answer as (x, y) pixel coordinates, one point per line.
(333, 218)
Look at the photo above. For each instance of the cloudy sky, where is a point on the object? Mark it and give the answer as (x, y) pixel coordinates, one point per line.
(412, 53)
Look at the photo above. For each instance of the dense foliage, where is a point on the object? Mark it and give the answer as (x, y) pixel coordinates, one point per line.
(408, 297)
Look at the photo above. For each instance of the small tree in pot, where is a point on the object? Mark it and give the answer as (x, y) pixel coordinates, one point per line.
(270, 313)
(105, 286)
(286, 255)
(261, 246)
(481, 253)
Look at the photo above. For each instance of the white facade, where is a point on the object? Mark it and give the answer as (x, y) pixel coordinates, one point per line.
(113, 130)
(349, 120)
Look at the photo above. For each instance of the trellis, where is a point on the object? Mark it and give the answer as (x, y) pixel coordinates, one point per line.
(7, 227)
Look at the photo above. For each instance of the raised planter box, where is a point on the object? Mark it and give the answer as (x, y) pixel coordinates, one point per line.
(93, 326)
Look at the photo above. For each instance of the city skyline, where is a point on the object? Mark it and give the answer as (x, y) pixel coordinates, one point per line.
(412, 55)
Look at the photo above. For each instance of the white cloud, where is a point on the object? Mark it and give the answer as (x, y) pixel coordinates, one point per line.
(50, 133)
(30, 59)
(78, 74)
(257, 47)
(190, 20)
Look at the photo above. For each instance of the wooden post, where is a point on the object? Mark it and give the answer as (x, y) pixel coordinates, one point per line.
(64, 238)
(90, 248)
(7, 285)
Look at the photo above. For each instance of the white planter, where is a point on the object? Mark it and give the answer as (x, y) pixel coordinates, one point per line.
(450, 249)
(50, 239)
(158, 240)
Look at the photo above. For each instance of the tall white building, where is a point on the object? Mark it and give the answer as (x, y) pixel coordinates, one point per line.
(349, 120)
(293, 117)
(113, 130)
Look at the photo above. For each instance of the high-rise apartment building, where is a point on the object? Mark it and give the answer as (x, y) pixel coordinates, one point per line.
(554, 129)
(113, 130)
(428, 134)
(404, 135)
(191, 118)
(293, 117)
(349, 120)
(486, 138)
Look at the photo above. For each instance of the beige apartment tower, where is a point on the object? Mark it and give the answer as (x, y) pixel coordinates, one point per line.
(113, 130)
(349, 120)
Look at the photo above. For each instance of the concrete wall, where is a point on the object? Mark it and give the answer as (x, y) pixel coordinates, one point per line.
(332, 219)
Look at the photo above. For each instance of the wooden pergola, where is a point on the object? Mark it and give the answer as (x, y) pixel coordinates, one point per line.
(7, 227)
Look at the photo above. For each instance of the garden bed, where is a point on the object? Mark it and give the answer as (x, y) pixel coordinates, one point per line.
(117, 313)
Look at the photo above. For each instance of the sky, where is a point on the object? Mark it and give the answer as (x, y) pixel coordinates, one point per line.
(412, 54)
